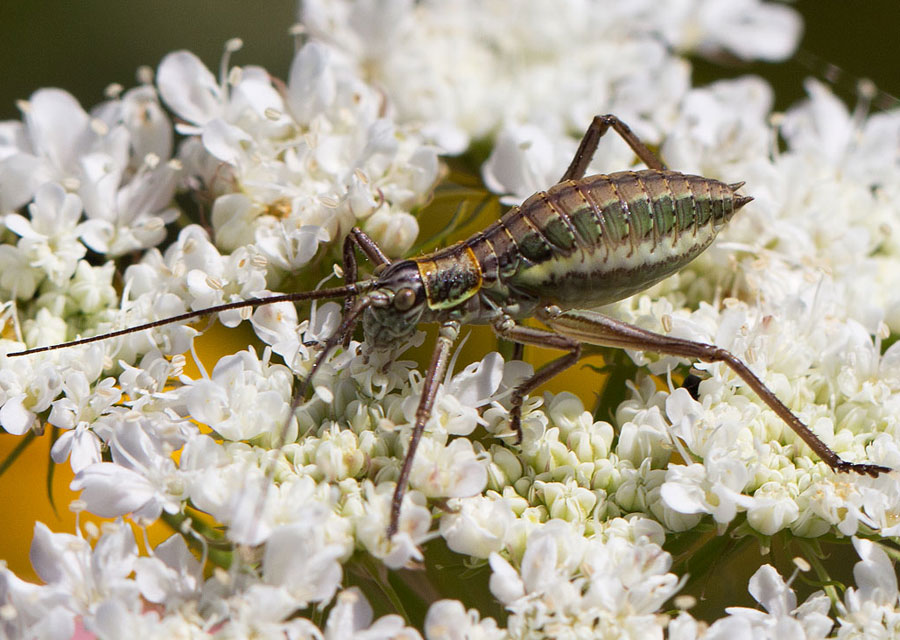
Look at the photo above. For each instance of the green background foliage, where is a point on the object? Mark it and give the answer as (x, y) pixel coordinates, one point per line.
(84, 46)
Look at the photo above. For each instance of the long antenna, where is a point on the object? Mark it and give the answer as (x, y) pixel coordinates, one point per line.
(334, 292)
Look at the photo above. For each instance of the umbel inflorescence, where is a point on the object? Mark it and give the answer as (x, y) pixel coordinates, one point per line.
(573, 522)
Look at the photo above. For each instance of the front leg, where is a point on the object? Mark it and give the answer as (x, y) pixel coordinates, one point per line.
(358, 238)
(596, 328)
(506, 328)
(436, 371)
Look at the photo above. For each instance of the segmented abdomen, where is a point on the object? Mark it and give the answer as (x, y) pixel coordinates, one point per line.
(602, 238)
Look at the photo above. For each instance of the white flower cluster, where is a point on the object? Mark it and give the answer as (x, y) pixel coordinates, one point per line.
(816, 263)
(570, 522)
(120, 594)
(286, 167)
(869, 611)
(465, 69)
(301, 163)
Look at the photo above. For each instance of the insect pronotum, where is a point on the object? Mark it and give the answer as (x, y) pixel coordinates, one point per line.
(585, 242)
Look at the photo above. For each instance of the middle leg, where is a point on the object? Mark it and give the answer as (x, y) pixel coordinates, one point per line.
(508, 329)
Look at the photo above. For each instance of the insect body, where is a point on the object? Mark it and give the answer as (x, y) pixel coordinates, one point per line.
(582, 243)
(585, 242)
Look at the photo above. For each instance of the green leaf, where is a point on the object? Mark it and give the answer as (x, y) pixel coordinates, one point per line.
(15, 453)
(51, 468)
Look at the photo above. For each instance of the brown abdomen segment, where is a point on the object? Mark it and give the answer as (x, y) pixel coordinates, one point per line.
(602, 238)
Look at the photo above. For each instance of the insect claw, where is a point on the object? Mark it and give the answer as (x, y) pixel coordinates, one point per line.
(865, 469)
(736, 185)
(875, 469)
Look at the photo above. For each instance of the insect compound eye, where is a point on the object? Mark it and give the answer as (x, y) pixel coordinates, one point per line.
(404, 299)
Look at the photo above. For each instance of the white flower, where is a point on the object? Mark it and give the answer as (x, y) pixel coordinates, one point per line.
(645, 437)
(872, 609)
(17, 276)
(126, 196)
(228, 486)
(87, 576)
(712, 138)
(467, 391)
(117, 619)
(142, 479)
(466, 68)
(91, 288)
(133, 216)
(352, 618)
(34, 610)
(773, 509)
(524, 161)
(371, 524)
(782, 618)
(690, 490)
(245, 397)
(309, 163)
(629, 578)
(171, 575)
(606, 584)
(449, 620)
(29, 386)
(57, 132)
(748, 28)
(50, 238)
(453, 471)
(180, 69)
(75, 413)
(478, 526)
(298, 560)
(566, 501)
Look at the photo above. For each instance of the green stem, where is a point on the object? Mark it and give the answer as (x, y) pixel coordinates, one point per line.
(375, 571)
(827, 583)
(218, 553)
(51, 469)
(16, 452)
